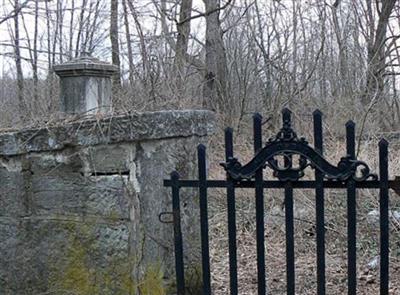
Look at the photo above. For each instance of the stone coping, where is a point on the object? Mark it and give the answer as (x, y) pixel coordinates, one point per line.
(85, 66)
(120, 128)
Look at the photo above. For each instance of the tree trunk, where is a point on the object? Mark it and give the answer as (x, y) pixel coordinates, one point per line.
(215, 90)
(128, 43)
(20, 78)
(60, 18)
(50, 73)
(35, 54)
(93, 28)
(115, 44)
(346, 85)
(376, 53)
(142, 42)
(182, 41)
(80, 29)
(293, 82)
(71, 30)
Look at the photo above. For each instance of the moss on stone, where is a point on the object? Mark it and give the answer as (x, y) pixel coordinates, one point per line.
(73, 272)
(77, 276)
(193, 281)
(152, 282)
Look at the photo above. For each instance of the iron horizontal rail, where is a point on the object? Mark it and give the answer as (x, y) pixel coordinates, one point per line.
(373, 184)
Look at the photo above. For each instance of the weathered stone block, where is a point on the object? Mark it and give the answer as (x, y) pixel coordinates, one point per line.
(116, 129)
(13, 195)
(108, 159)
(75, 194)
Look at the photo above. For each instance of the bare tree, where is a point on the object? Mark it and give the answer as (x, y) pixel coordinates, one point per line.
(142, 43)
(71, 30)
(33, 49)
(377, 54)
(253, 55)
(215, 90)
(78, 49)
(50, 74)
(60, 18)
(16, 10)
(18, 64)
(182, 40)
(115, 43)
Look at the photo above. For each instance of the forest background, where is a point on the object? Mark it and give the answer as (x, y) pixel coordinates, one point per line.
(234, 57)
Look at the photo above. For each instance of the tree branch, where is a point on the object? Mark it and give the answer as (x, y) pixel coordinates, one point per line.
(207, 13)
(15, 12)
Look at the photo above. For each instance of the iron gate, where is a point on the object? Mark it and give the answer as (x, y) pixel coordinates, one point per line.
(295, 155)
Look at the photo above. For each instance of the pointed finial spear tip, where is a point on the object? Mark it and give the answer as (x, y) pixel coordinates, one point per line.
(257, 116)
(174, 174)
(286, 116)
(317, 112)
(383, 142)
(350, 123)
(228, 130)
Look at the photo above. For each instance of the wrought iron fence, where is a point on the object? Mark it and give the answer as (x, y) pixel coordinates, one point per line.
(287, 155)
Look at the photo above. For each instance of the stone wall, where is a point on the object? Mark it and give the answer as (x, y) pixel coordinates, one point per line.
(79, 204)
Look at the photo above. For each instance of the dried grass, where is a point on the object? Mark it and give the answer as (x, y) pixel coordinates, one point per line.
(305, 246)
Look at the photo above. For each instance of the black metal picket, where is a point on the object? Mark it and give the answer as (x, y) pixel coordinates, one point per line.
(349, 174)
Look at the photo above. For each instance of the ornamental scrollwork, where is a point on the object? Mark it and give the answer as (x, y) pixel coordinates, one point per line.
(295, 156)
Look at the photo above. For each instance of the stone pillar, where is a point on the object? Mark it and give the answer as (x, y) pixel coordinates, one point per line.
(85, 85)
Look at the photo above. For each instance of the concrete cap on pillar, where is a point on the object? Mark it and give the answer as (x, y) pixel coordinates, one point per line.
(85, 85)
